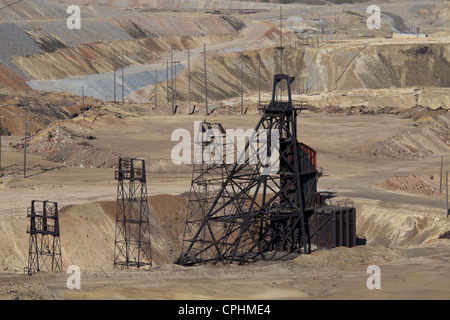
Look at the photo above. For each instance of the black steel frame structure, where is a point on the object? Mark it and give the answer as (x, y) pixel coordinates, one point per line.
(208, 176)
(44, 242)
(253, 216)
(132, 246)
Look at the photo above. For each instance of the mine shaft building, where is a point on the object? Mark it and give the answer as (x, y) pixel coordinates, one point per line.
(246, 211)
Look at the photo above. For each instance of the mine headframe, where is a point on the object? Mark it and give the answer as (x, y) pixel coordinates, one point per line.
(258, 210)
(132, 246)
(44, 250)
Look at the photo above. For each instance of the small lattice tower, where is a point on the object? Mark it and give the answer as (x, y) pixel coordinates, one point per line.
(132, 246)
(44, 243)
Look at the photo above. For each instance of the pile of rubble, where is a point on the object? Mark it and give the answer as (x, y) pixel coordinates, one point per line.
(70, 143)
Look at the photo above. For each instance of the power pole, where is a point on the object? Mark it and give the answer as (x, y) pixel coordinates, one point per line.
(171, 75)
(25, 146)
(123, 90)
(204, 71)
(167, 81)
(1, 132)
(156, 88)
(242, 83)
(175, 81)
(281, 30)
(259, 78)
(446, 191)
(279, 50)
(189, 83)
(440, 176)
(115, 76)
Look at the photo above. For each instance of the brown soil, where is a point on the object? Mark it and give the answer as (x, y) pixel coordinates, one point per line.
(11, 80)
(429, 135)
(428, 185)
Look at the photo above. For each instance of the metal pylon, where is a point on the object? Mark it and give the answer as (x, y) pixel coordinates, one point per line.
(44, 251)
(132, 247)
(210, 169)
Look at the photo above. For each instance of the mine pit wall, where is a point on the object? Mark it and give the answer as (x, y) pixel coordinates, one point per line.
(331, 68)
(187, 4)
(94, 58)
(88, 230)
(400, 226)
(36, 48)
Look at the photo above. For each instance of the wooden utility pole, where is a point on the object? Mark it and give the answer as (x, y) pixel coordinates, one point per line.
(171, 76)
(1, 132)
(167, 80)
(25, 146)
(281, 36)
(446, 191)
(440, 176)
(123, 90)
(156, 88)
(242, 83)
(259, 79)
(114, 76)
(175, 81)
(279, 50)
(204, 71)
(172, 87)
(189, 82)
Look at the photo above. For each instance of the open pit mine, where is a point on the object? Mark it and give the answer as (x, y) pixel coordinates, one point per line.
(224, 150)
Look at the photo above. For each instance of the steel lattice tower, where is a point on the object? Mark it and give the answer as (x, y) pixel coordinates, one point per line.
(132, 240)
(260, 216)
(208, 176)
(44, 243)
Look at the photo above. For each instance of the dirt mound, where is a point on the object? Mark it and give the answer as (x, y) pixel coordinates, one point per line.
(419, 112)
(11, 80)
(429, 135)
(88, 233)
(32, 290)
(428, 185)
(43, 108)
(400, 226)
(167, 220)
(68, 142)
